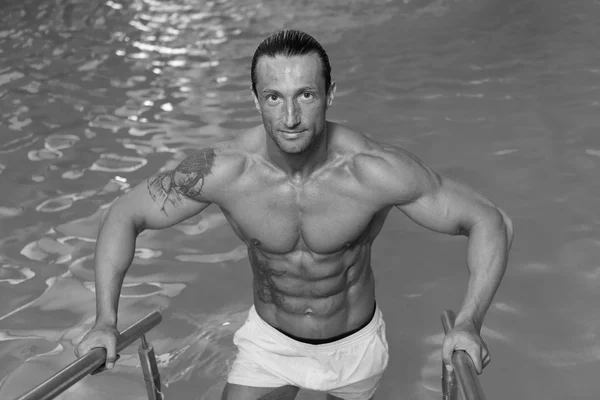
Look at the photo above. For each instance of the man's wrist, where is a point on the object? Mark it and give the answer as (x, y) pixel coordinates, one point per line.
(106, 320)
(468, 321)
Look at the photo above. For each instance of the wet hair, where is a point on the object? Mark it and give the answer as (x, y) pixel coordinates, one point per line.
(289, 43)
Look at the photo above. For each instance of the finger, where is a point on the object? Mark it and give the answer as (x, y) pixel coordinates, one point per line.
(475, 353)
(82, 350)
(111, 354)
(447, 350)
(486, 359)
(485, 355)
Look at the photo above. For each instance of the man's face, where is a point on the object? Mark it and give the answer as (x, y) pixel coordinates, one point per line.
(292, 98)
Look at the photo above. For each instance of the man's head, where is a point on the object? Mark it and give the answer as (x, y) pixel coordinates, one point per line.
(291, 83)
(291, 43)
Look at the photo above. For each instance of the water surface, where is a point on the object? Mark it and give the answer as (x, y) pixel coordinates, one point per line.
(95, 96)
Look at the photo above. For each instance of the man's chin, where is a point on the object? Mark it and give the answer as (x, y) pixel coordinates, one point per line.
(295, 146)
(293, 149)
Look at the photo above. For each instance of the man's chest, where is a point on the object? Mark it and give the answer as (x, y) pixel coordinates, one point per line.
(324, 216)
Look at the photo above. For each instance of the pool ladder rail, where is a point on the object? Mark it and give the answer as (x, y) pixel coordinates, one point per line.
(463, 377)
(93, 363)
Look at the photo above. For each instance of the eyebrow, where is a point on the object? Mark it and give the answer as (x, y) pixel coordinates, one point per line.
(302, 89)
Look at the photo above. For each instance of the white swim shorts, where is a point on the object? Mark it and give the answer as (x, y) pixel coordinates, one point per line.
(349, 368)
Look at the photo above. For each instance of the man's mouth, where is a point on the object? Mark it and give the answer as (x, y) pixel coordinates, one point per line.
(291, 134)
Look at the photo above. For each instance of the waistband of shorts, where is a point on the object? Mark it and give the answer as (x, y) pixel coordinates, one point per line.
(268, 329)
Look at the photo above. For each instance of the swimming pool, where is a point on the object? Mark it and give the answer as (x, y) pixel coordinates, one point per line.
(97, 95)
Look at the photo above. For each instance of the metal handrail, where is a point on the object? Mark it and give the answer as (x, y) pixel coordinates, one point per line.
(468, 382)
(95, 359)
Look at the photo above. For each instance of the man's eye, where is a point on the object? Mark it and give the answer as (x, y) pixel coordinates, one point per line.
(307, 95)
(272, 97)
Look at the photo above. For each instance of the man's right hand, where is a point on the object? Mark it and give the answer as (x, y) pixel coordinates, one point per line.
(101, 335)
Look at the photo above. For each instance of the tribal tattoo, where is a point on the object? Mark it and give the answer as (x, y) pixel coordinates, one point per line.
(183, 180)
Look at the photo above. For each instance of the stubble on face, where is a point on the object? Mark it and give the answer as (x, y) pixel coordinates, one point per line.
(287, 77)
(296, 146)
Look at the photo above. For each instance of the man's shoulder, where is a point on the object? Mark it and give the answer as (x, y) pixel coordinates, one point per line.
(218, 164)
(362, 147)
(385, 168)
(215, 159)
(372, 158)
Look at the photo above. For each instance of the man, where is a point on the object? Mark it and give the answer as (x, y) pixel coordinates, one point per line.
(308, 197)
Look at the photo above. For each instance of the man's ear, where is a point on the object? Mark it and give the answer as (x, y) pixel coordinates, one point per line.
(331, 94)
(256, 103)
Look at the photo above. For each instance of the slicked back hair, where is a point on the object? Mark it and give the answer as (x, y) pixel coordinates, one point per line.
(289, 43)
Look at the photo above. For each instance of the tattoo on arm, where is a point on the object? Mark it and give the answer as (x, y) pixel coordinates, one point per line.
(183, 180)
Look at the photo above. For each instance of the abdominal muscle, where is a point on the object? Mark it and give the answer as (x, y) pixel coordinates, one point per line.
(314, 296)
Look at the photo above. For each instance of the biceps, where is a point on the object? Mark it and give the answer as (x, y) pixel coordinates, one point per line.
(451, 208)
(155, 208)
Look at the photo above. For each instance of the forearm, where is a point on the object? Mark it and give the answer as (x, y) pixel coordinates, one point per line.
(114, 253)
(487, 256)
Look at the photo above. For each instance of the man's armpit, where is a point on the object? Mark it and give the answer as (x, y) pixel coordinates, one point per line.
(186, 180)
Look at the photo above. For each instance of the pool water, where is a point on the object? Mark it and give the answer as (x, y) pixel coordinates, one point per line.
(501, 94)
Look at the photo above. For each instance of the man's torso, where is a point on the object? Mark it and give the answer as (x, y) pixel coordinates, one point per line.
(309, 241)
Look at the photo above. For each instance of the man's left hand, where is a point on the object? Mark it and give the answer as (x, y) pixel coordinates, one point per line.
(468, 339)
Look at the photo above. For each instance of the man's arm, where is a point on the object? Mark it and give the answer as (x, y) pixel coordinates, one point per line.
(161, 201)
(444, 205)
(447, 206)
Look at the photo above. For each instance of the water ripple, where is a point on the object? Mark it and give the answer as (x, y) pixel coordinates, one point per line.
(110, 162)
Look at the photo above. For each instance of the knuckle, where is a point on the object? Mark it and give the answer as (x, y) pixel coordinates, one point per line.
(449, 340)
(475, 346)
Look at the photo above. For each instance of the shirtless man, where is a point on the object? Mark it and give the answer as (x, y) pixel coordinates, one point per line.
(308, 197)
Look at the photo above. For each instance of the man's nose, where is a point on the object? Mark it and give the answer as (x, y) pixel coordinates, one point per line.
(292, 114)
